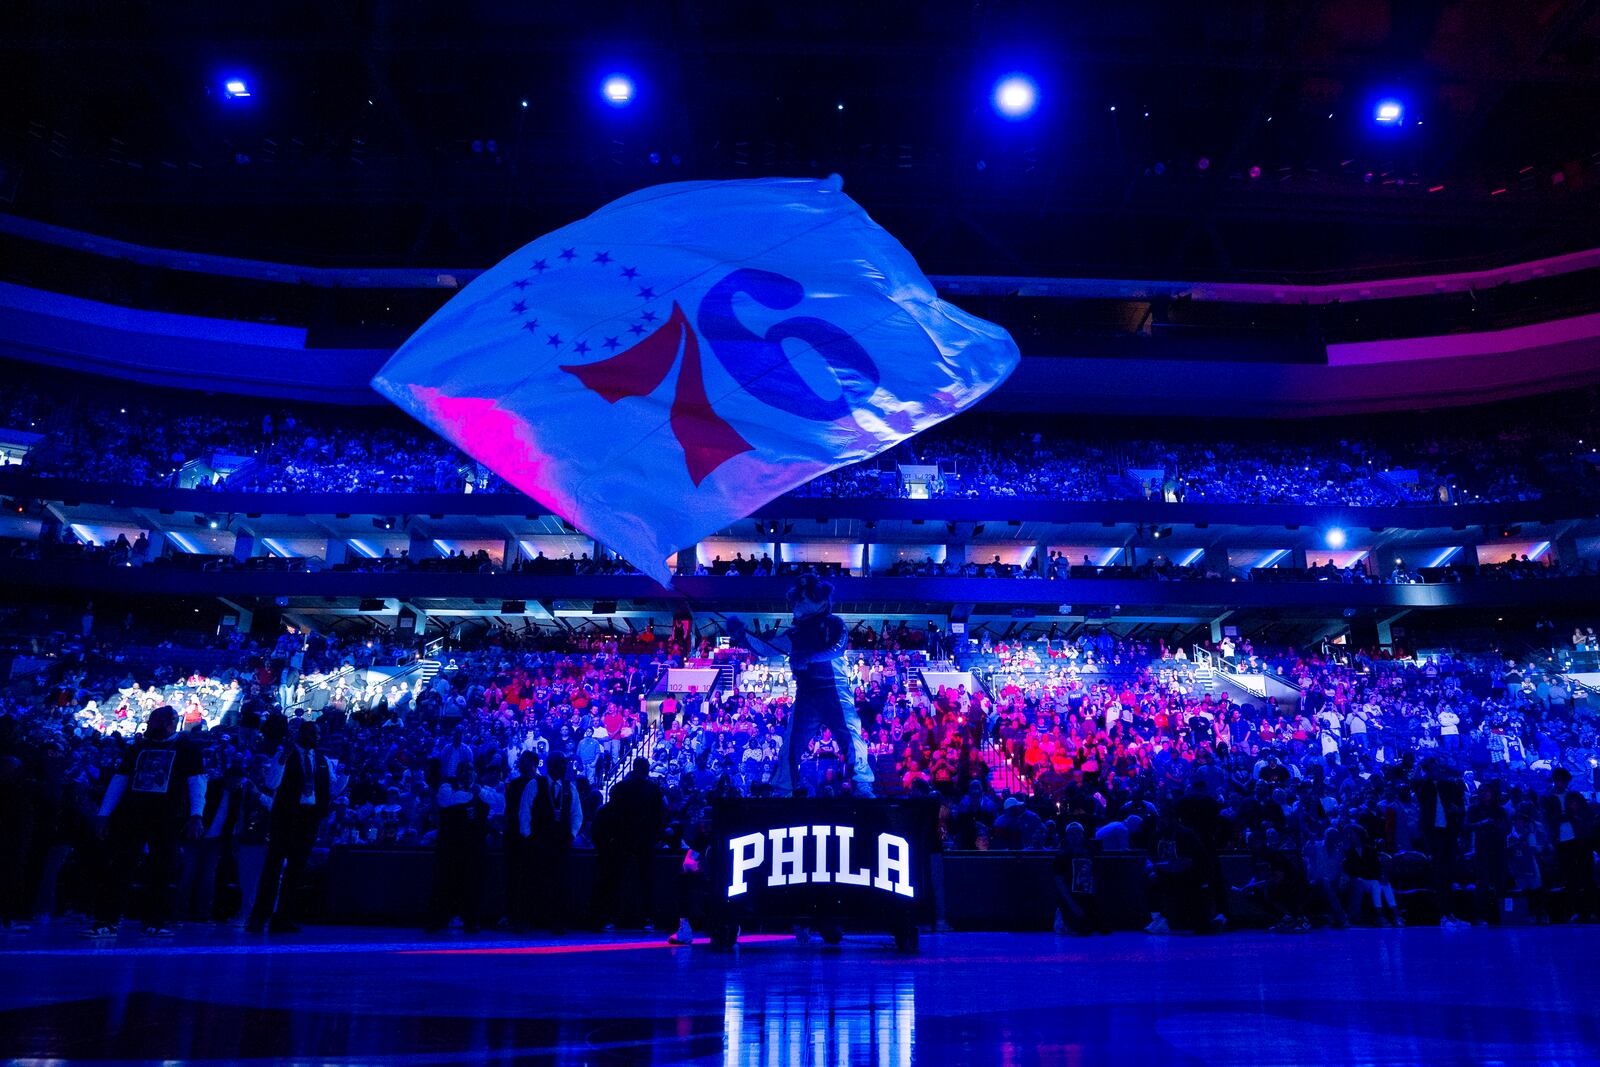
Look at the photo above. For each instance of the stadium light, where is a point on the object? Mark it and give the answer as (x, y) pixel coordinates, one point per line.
(1389, 113)
(1335, 538)
(1015, 97)
(617, 90)
(235, 88)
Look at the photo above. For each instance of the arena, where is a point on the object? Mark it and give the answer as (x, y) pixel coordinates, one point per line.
(854, 534)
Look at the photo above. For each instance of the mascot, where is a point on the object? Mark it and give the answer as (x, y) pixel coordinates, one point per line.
(815, 645)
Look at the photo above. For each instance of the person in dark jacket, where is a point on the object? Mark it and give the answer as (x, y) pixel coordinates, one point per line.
(1567, 818)
(628, 833)
(1489, 823)
(555, 817)
(458, 852)
(203, 858)
(300, 785)
(1441, 801)
(1364, 866)
(516, 844)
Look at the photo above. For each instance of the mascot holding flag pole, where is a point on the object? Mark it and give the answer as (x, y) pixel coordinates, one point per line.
(815, 645)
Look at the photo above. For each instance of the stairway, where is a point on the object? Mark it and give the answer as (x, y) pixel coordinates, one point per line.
(639, 745)
(1003, 777)
(427, 670)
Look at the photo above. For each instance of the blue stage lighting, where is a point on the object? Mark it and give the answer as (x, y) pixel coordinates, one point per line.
(235, 88)
(617, 90)
(1015, 96)
(1389, 113)
(1335, 538)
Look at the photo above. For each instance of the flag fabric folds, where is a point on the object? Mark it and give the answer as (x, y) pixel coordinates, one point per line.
(666, 366)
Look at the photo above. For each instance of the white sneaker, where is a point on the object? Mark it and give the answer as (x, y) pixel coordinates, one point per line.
(1060, 925)
(683, 936)
(1158, 925)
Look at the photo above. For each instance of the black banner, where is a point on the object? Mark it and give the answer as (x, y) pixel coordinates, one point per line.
(833, 860)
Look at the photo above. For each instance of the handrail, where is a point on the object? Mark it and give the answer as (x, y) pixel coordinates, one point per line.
(625, 757)
(429, 650)
(1218, 665)
(327, 681)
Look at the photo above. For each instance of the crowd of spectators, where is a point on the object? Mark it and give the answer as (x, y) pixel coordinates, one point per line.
(980, 460)
(1423, 775)
(1376, 794)
(155, 439)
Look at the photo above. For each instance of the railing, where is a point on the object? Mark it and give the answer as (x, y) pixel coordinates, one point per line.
(1003, 774)
(328, 681)
(429, 650)
(1254, 684)
(643, 741)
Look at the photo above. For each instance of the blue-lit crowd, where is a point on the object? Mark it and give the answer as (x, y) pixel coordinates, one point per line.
(1387, 789)
(166, 440)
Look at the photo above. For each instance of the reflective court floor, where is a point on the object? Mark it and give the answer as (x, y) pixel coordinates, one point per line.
(362, 996)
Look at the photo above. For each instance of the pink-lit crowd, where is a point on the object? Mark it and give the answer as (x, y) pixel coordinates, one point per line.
(1362, 777)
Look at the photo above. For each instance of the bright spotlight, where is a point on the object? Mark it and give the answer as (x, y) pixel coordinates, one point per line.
(1015, 96)
(1335, 538)
(617, 90)
(235, 88)
(1388, 113)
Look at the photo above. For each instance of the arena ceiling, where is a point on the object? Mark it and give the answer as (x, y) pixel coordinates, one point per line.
(380, 132)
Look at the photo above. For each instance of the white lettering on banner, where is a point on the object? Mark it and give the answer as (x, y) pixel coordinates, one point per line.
(787, 868)
(846, 876)
(748, 853)
(821, 873)
(792, 863)
(894, 858)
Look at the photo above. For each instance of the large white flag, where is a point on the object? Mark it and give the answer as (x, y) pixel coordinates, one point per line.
(684, 355)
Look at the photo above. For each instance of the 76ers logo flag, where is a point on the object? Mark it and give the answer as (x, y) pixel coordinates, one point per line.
(674, 361)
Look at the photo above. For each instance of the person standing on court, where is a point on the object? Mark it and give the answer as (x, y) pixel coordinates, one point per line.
(157, 796)
(639, 808)
(299, 791)
(458, 851)
(555, 817)
(518, 827)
